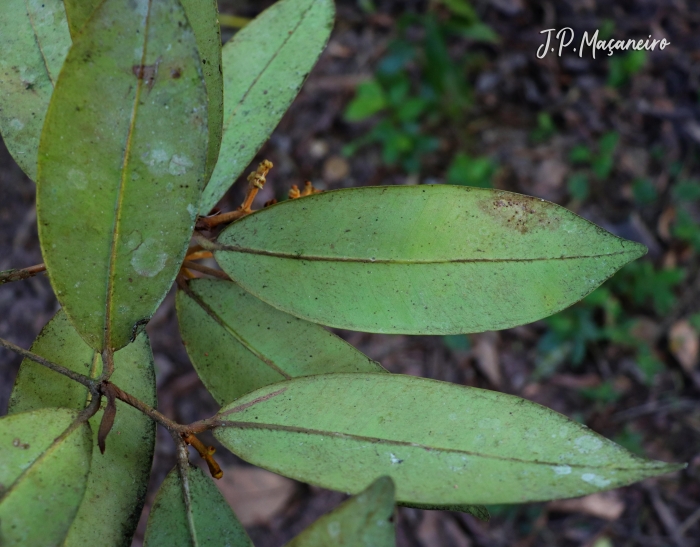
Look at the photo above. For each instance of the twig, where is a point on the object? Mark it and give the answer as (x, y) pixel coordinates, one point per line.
(205, 269)
(256, 181)
(76, 376)
(8, 276)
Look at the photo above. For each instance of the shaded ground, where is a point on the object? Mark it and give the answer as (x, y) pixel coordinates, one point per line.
(653, 410)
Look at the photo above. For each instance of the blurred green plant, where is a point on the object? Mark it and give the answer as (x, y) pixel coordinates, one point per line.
(419, 87)
(621, 68)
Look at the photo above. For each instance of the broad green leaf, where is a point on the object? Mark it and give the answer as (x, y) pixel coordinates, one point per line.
(78, 12)
(238, 343)
(44, 465)
(121, 166)
(34, 41)
(189, 511)
(362, 521)
(420, 259)
(203, 17)
(264, 65)
(123, 470)
(441, 443)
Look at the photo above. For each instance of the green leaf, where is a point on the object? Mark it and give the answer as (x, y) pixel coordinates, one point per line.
(122, 161)
(44, 464)
(34, 41)
(441, 443)
(78, 13)
(203, 17)
(238, 343)
(369, 100)
(478, 511)
(265, 65)
(189, 511)
(123, 470)
(433, 259)
(362, 521)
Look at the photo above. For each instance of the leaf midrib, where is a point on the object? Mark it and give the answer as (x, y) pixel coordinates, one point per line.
(229, 330)
(390, 442)
(120, 191)
(267, 65)
(320, 258)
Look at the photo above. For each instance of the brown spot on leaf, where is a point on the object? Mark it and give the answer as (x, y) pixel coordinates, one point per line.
(521, 213)
(19, 444)
(147, 73)
(175, 73)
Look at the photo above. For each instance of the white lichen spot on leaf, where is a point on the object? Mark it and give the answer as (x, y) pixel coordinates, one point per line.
(149, 259)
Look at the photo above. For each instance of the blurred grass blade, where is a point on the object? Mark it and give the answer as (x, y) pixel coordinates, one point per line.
(34, 41)
(364, 520)
(238, 343)
(44, 465)
(190, 511)
(420, 259)
(265, 65)
(203, 17)
(122, 161)
(78, 13)
(124, 469)
(442, 444)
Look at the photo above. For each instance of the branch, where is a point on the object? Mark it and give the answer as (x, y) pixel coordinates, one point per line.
(76, 376)
(205, 269)
(8, 276)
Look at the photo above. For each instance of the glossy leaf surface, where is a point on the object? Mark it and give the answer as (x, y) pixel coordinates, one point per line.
(441, 443)
(123, 470)
(44, 464)
(190, 511)
(122, 161)
(203, 17)
(34, 41)
(239, 344)
(361, 521)
(420, 259)
(78, 12)
(265, 65)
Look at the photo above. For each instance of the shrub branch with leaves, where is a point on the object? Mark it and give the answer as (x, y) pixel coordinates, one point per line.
(119, 110)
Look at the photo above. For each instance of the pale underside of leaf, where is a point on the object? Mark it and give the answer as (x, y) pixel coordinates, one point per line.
(122, 162)
(124, 469)
(44, 464)
(442, 444)
(264, 66)
(34, 41)
(420, 259)
(362, 521)
(238, 343)
(189, 511)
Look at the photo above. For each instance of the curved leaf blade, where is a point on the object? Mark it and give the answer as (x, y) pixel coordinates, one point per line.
(361, 521)
(238, 343)
(189, 511)
(478, 511)
(124, 469)
(44, 464)
(264, 65)
(420, 259)
(441, 443)
(34, 41)
(203, 16)
(111, 178)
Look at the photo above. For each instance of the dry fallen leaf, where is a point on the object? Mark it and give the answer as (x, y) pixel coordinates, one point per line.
(604, 505)
(486, 354)
(684, 344)
(255, 495)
